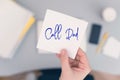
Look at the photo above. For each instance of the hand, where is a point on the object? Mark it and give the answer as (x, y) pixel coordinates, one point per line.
(73, 69)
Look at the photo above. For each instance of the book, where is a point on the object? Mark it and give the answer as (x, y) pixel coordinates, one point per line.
(15, 21)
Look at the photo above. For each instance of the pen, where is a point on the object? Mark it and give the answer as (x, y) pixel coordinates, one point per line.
(104, 38)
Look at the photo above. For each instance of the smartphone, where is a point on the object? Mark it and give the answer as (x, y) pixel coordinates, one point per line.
(95, 33)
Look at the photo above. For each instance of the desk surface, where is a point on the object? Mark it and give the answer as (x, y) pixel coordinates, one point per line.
(27, 58)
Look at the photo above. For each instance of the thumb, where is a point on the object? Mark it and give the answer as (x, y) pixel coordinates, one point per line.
(64, 59)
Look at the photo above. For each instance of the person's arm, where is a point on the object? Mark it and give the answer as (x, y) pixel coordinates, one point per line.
(76, 69)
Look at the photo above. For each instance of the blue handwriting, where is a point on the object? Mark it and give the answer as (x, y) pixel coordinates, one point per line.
(49, 33)
(56, 33)
(70, 33)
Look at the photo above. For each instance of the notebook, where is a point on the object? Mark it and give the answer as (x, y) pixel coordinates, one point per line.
(112, 48)
(15, 21)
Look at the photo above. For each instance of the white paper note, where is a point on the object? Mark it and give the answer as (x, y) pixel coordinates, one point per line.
(83, 44)
(112, 48)
(61, 31)
(39, 26)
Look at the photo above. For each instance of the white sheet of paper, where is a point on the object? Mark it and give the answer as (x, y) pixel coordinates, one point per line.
(61, 31)
(112, 48)
(39, 26)
(83, 44)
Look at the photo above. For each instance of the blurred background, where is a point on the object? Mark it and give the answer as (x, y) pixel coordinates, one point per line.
(20, 22)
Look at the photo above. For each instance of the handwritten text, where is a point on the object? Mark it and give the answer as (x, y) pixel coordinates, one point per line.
(56, 33)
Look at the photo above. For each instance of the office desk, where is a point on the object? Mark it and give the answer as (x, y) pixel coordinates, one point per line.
(27, 57)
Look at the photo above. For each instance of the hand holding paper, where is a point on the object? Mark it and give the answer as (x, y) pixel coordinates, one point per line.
(73, 69)
(61, 31)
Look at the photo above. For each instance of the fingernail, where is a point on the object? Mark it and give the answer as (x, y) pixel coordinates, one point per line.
(63, 51)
